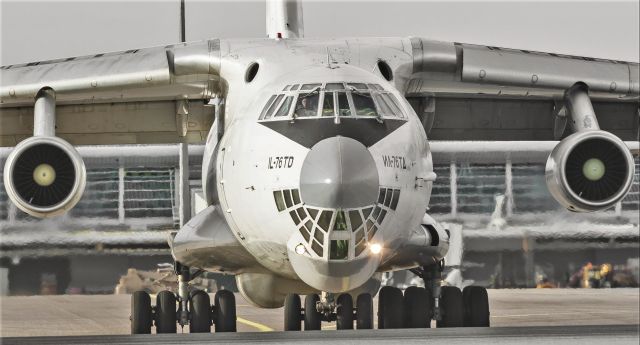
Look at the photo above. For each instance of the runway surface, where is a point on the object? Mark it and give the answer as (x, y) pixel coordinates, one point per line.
(529, 315)
(620, 334)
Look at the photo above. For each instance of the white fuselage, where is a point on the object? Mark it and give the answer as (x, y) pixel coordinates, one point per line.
(328, 168)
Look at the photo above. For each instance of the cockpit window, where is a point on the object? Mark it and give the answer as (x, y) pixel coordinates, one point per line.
(307, 104)
(266, 106)
(306, 87)
(383, 106)
(331, 100)
(284, 108)
(273, 107)
(343, 104)
(334, 86)
(358, 86)
(394, 106)
(327, 104)
(364, 104)
(340, 223)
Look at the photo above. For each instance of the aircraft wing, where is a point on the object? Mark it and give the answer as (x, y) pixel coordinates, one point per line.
(137, 93)
(498, 152)
(460, 92)
(471, 92)
(497, 71)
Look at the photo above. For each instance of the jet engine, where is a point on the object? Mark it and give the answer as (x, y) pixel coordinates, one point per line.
(589, 171)
(44, 176)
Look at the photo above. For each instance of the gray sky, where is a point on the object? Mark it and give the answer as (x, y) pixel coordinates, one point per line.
(33, 31)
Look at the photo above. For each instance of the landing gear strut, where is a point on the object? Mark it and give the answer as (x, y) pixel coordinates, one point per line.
(327, 308)
(192, 308)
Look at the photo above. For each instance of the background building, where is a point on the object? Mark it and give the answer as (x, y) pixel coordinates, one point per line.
(512, 229)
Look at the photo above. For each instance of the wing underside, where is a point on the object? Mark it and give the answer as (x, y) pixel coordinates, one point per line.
(469, 92)
(151, 95)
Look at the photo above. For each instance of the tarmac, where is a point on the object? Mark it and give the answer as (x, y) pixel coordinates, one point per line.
(530, 315)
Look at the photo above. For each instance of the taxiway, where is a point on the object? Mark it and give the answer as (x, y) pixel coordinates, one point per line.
(531, 315)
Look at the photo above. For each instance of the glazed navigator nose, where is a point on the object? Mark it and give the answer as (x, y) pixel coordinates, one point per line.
(339, 172)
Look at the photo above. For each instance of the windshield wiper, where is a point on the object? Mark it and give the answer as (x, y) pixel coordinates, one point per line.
(378, 116)
(310, 93)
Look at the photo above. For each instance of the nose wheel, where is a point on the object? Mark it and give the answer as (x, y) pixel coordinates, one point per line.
(192, 308)
(344, 312)
(312, 316)
(318, 309)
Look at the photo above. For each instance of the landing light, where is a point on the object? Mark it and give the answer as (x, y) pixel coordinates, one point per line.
(300, 249)
(375, 248)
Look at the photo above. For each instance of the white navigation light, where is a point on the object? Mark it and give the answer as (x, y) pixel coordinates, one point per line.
(300, 249)
(44, 175)
(375, 248)
(593, 169)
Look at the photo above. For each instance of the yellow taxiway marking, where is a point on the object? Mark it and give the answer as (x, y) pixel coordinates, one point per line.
(259, 326)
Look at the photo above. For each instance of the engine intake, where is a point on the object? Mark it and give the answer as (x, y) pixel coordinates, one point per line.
(44, 176)
(589, 171)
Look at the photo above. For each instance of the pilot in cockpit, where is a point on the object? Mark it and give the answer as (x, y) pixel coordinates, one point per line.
(307, 105)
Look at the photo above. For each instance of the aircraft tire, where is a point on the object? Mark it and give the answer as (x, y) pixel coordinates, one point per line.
(312, 318)
(451, 307)
(417, 308)
(344, 312)
(200, 310)
(292, 312)
(364, 311)
(140, 313)
(390, 308)
(166, 312)
(476, 306)
(225, 307)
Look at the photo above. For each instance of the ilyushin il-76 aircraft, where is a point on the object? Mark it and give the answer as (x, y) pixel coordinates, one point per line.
(317, 169)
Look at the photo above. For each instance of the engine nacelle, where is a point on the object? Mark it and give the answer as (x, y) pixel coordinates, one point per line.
(44, 176)
(589, 171)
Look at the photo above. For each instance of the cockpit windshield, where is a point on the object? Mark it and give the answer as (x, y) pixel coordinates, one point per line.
(307, 104)
(332, 100)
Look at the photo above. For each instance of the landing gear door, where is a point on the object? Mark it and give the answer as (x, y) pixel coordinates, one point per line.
(224, 184)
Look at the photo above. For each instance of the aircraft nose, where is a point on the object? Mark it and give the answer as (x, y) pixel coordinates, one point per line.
(339, 172)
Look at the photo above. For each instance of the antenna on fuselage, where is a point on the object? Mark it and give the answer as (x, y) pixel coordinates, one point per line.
(183, 31)
(284, 19)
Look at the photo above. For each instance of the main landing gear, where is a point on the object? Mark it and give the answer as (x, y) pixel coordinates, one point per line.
(327, 308)
(191, 308)
(449, 306)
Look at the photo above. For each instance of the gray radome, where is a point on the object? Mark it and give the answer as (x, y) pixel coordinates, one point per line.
(339, 172)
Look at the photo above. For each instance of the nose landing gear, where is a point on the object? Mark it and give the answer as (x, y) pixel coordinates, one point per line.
(317, 309)
(191, 308)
